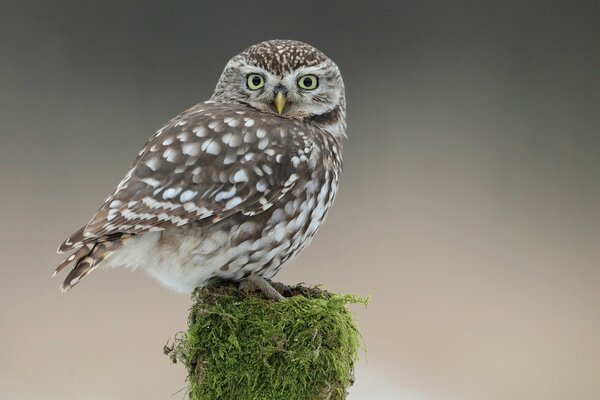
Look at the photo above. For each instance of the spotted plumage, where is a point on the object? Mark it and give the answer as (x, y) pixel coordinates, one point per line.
(234, 186)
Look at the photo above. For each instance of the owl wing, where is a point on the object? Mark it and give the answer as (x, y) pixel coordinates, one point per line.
(206, 164)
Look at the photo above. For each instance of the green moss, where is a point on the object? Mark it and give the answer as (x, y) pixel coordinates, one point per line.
(301, 348)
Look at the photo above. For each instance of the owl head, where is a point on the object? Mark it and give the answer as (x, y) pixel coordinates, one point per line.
(284, 77)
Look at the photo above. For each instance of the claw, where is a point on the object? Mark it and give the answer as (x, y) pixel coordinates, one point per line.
(255, 283)
(281, 287)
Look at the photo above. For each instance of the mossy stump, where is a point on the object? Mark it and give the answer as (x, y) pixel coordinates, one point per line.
(250, 348)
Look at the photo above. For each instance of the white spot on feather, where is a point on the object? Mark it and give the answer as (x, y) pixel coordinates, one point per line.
(170, 154)
(151, 182)
(268, 170)
(261, 186)
(112, 214)
(240, 176)
(171, 193)
(233, 202)
(191, 149)
(211, 147)
(263, 143)
(230, 158)
(224, 195)
(153, 163)
(200, 131)
(261, 133)
(231, 139)
(233, 123)
(187, 195)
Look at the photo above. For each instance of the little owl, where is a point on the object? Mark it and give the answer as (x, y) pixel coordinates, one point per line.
(232, 188)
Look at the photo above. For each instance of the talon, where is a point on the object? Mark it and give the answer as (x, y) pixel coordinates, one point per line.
(281, 287)
(287, 291)
(255, 283)
(239, 293)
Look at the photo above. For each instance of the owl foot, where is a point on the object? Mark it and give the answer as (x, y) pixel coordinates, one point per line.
(254, 283)
(282, 288)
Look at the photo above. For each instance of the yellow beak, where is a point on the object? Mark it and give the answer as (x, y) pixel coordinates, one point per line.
(280, 102)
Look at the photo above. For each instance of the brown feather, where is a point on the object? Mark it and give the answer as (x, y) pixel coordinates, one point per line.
(89, 262)
(75, 257)
(74, 241)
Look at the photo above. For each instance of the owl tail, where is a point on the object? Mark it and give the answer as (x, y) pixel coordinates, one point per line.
(75, 257)
(73, 242)
(85, 259)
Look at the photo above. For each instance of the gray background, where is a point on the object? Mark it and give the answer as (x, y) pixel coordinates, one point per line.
(469, 208)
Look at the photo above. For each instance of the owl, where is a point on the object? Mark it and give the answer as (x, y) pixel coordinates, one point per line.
(232, 188)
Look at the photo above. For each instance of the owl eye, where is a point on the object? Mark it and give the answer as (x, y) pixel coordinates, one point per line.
(308, 82)
(255, 81)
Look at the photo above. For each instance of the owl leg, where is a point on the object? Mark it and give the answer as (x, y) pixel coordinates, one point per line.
(254, 283)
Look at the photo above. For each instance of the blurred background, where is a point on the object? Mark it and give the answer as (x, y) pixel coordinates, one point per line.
(469, 209)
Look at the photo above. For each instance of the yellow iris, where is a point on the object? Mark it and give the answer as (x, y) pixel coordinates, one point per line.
(308, 82)
(255, 81)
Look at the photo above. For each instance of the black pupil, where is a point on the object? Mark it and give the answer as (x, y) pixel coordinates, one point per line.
(308, 82)
(256, 80)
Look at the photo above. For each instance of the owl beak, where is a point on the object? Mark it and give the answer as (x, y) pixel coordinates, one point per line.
(280, 100)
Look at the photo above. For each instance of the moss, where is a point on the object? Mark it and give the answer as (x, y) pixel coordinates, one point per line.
(301, 348)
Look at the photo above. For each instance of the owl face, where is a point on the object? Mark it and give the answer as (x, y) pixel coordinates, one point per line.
(288, 78)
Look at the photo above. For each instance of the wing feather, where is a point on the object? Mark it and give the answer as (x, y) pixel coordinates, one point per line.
(206, 164)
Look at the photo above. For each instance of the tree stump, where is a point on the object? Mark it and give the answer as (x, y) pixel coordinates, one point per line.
(251, 348)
